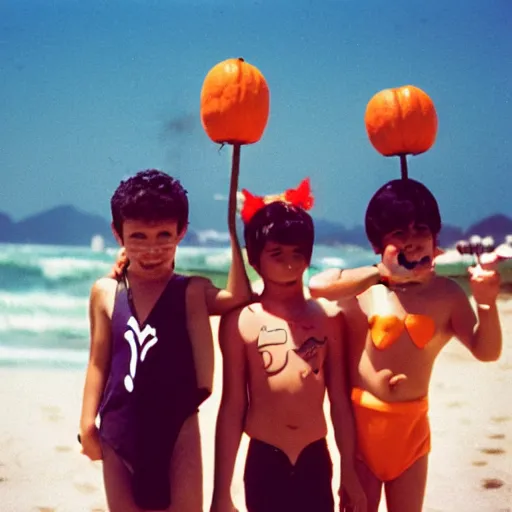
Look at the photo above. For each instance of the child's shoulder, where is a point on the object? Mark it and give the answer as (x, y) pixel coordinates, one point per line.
(104, 285)
(326, 308)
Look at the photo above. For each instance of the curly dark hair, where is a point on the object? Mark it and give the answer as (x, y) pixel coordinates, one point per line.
(281, 223)
(150, 195)
(396, 205)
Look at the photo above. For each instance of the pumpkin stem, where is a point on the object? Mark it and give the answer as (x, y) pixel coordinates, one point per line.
(233, 188)
(403, 167)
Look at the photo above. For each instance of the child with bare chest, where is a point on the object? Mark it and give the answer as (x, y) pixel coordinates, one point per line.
(280, 356)
(401, 318)
(287, 406)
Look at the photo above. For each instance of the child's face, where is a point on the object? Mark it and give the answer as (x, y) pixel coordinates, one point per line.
(415, 244)
(282, 264)
(151, 246)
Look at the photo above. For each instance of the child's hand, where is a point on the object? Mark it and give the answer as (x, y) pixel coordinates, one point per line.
(352, 495)
(91, 445)
(485, 279)
(119, 266)
(390, 381)
(485, 285)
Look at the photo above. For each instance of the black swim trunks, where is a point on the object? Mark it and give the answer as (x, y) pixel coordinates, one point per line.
(274, 484)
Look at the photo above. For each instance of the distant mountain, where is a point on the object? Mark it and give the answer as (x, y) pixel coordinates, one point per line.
(62, 225)
(66, 225)
(497, 226)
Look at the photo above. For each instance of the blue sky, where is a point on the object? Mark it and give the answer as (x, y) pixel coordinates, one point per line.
(91, 92)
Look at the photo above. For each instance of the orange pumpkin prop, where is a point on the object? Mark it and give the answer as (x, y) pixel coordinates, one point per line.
(401, 121)
(235, 103)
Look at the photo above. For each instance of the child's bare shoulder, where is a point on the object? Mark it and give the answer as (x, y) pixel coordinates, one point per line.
(325, 309)
(198, 285)
(244, 321)
(103, 288)
(103, 294)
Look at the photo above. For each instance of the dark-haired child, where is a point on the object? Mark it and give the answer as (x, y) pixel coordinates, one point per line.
(399, 322)
(151, 355)
(279, 357)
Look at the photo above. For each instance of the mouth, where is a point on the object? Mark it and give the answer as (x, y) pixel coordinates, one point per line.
(412, 264)
(150, 266)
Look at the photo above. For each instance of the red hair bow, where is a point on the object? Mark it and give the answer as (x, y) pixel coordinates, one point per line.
(300, 197)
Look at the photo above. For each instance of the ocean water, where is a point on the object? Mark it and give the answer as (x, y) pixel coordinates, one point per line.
(44, 294)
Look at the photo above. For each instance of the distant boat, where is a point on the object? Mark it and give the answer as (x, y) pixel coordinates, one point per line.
(97, 243)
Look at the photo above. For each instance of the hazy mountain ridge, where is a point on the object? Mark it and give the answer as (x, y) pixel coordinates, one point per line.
(67, 225)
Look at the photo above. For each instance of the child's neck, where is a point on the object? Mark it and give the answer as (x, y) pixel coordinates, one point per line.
(280, 296)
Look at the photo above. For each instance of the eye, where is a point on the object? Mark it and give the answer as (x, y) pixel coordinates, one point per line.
(138, 236)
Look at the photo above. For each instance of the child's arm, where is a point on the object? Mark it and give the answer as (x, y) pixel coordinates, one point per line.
(97, 369)
(233, 406)
(341, 413)
(238, 290)
(480, 333)
(334, 284)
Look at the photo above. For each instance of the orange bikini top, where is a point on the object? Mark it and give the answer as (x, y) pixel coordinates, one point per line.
(385, 330)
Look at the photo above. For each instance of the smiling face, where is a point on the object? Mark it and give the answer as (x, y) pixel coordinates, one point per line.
(150, 246)
(282, 264)
(415, 244)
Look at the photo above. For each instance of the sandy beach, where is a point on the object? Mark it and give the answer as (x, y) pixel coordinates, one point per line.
(42, 470)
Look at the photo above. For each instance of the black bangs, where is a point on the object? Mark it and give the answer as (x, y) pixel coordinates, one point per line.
(280, 223)
(288, 232)
(398, 204)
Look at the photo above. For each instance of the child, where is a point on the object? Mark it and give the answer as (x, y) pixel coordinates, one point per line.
(279, 356)
(151, 357)
(402, 318)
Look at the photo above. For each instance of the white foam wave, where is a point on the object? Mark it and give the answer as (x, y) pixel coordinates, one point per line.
(332, 261)
(42, 300)
(211, 235)
(56, 268)
(40, 322)
(14, 354)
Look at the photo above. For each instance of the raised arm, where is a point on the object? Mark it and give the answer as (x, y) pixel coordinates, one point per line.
(232, 411)
(334, 284)
(341, 413)
(238, 290)
(98, 366)
(480, 332)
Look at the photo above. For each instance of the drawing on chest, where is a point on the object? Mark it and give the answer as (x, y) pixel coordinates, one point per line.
(275, 346)
(139, 341)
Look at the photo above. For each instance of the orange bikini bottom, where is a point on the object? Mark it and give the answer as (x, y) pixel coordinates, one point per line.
(391, 436)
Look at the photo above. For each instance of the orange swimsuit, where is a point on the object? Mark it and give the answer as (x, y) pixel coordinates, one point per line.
(392, 436)
(385, 330)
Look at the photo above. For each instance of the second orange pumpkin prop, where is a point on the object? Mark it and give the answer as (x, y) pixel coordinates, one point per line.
(401, 121)
(235, 105)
